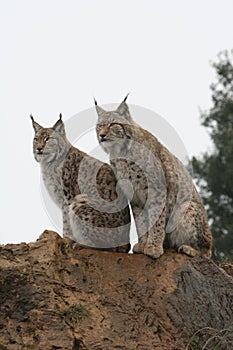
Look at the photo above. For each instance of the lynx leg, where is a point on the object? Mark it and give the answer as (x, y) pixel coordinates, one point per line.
(142, 227)
(81, 199)
(192, 235)
(123, 248)
(138, 248)
(79, 232)
(96, 229)
(156, 235)
(67, 231)
(186, 249)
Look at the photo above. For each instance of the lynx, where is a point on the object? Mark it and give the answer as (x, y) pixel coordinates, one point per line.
(167, 209)
(66, 171)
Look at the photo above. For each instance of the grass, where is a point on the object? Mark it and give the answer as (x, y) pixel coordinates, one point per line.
(74, 313)
(215, 339)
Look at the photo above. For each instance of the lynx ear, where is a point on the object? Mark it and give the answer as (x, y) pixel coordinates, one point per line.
(59, 126)
(123, 108)
(100, 111)
(35, 125)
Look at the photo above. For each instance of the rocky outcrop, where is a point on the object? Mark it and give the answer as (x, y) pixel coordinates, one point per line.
(55, 294)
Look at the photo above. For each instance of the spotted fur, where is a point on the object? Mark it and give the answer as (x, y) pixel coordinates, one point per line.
(167, 209)
(65, 171)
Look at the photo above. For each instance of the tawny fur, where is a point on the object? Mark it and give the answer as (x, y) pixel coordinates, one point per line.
(167, 209)
(66, 171)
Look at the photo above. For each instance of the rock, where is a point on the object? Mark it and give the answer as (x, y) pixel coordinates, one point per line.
(55, 294)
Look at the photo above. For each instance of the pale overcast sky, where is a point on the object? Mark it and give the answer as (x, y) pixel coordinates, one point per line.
(55, 55)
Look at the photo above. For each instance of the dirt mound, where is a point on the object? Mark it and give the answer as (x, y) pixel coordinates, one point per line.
(57, 295)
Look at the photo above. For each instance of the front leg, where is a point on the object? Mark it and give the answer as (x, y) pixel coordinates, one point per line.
(156, 235)
(67, 231)
(141, 222)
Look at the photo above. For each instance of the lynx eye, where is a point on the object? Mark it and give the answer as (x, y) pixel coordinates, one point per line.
(46, 138)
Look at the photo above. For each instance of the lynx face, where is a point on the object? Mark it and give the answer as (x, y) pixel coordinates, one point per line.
(112, 135)
(113, 128)
(49, 143)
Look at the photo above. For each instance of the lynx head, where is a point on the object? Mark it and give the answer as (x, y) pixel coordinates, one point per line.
(49, 144)
(113, 127)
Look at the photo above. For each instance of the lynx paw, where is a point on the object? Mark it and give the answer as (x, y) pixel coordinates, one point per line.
(81, 199)
(124, 248)
(138, 248)
(153, 252)
(186, 249)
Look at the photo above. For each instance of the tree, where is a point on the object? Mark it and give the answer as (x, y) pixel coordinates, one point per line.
(214, 171)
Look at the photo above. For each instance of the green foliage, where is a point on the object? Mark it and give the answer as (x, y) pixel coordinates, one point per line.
(74, 313)
(214, 171)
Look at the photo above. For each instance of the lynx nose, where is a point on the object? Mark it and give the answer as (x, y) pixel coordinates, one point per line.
(39, 149)
(102, 136)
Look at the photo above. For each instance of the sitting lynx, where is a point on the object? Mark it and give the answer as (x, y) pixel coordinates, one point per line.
(65, 171)
(160, 189)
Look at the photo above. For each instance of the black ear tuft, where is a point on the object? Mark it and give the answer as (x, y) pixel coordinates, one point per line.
(126, 97)
(31, 117)
(60, 116)
(95, 101)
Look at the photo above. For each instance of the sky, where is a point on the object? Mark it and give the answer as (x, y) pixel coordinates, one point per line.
(56, 55)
